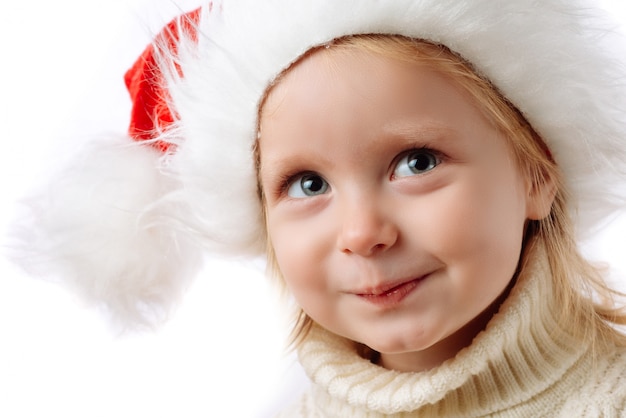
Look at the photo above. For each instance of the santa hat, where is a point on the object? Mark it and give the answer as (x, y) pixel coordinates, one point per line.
(128, 222)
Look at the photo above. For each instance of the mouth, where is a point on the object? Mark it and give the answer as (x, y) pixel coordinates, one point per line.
(391, 295)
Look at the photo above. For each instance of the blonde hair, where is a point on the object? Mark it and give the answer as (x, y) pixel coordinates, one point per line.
(579, 287)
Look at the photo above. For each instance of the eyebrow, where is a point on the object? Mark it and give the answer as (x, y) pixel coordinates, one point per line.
(418, 130)
(290, 163)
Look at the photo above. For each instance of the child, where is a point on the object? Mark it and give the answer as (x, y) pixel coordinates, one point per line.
(415, 171)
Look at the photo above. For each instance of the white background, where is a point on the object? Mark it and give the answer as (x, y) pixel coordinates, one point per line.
(222, 354)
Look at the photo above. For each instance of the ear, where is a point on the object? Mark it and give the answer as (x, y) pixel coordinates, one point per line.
(541, 191)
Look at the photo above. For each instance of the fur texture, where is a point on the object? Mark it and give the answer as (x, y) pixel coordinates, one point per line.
(136, 240)
(102, 227)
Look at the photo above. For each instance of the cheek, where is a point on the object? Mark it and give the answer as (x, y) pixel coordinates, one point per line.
(302, 255)
(300, 249)
(479, 225)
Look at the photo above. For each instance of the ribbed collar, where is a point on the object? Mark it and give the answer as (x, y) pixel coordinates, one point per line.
(521, 353)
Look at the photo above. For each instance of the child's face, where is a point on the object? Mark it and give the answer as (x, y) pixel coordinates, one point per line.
(394, 208)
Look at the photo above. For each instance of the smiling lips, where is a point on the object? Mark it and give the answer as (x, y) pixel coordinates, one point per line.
(391, 296)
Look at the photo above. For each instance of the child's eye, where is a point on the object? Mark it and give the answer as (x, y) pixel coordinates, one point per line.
(416, 162)
(307, 185)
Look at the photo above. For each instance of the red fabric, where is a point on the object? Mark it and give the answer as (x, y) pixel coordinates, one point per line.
(144, 81)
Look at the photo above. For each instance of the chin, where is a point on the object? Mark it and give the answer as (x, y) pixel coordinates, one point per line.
(398, 345)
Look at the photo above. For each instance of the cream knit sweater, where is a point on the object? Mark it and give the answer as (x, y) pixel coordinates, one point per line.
(522, 365)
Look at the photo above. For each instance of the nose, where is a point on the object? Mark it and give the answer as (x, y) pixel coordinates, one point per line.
(365, 229)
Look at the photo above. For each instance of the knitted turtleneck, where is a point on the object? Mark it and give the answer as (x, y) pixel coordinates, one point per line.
(522, 365)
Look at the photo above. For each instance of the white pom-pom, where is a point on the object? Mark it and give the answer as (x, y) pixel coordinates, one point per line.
(98, 227)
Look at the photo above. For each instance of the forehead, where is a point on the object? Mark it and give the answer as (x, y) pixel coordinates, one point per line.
(338, 56)
(333, 75)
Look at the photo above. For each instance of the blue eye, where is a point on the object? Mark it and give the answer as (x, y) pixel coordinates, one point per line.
(416, 162)
(307, 185)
